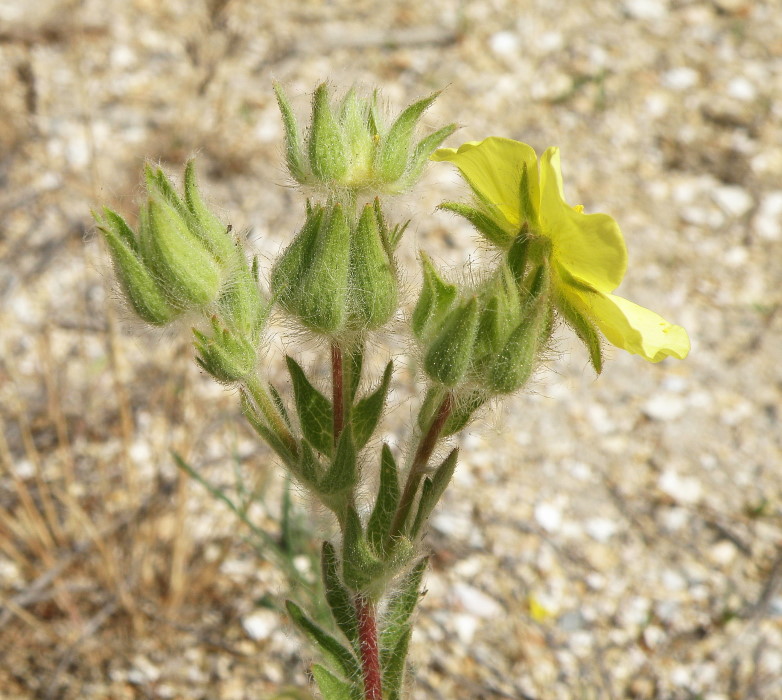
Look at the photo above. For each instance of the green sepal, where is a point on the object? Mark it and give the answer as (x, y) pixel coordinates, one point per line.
(464, 406)
(449, 355)
(119, 227)
(323, 293)
(436, 298)
(484, 223)
(518, 255)
(391, 236)
(373, 284)
(332, 688)
(368, 410)
(138, 285)
(514, 365)
(585, 330)
(338, 656)
(327, 148)
(500, 314)
(288, 269)
(433, 489)
(423, 150)
(360, 567)
(360, 144)
(240, 302)
(294, 154)
(158, 184)
(207, 226)
(386, 503)
(314, 410)
(342, 475)
(528, 210)
(393, 663)
(176, 256)
(337, 596)
(395, 149)
(399, 610)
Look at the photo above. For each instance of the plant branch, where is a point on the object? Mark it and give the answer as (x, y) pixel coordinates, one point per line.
(271, 413)
(337, 390)
(420, 463)
(370, 653)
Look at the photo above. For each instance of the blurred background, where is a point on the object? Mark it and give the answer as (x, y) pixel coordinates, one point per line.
(611, 537)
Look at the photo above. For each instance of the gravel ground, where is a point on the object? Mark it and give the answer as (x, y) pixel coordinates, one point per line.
(614, 537)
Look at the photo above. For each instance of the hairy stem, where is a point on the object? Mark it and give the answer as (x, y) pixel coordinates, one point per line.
(337, 390)
(370, 652)
(420, 463)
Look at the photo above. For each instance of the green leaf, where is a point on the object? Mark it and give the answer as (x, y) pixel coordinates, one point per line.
(433, 489)
(332, 688)
(368, 410)
(342, 474)
(337, 596)
(360, 567)
(517, 255)
(336, 654)
(308, 468)
(259, 425)
(484, 223)
(385, 504)
(314, 409)
(354, 362)
(393, 665)
(280, 404)
(400, 607)
(462, 412)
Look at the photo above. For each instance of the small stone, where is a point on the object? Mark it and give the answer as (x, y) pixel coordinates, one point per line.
(504, 43)
(680, 79)
(664, 407)
(683, 489)
(733, 200)
(723, 553)
(466, 626)
(600, 529)
(260, 624)
(741, 89)
(646, 9)
(476, 602)
(768, 219)
(548, 516)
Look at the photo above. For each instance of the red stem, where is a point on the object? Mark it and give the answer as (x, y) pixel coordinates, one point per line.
(337, 391)
(420, 462)
(370, 654)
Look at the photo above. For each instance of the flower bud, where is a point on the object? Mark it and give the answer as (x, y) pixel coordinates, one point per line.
(311, 276)
(373, 284)
(229, 357)
(500, 313)
(436, 298)
(352, 148)
(448, 357)
(240, 304)
(138, 284)
(175, 255)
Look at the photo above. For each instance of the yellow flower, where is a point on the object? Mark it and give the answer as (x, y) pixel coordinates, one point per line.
(587, 255)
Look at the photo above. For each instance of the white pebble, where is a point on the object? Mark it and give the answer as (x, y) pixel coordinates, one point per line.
(548, 516)
(465, 625)
(768, 220)
(723, 553)
(476, 602)
(646, 9)
(680, 79)
(600, 529)
(683, 489)
(732, 199)
(504, 43)
(741, 89)
(664, 407)
(259, 624)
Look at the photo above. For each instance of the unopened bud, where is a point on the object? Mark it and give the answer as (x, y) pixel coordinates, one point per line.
(327, 147)
(448, 357)
(227, 356)
(435, 300)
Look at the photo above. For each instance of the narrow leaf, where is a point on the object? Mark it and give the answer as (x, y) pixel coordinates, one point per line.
(360, 567)
(385, 504)
(336, 654)
(393, 664)
(433, 490)
(332, 688)
(342, 474)
(400, 608)
(354, 362)
(368, 410)
(314, 410)
(260, 427)
(337, 596)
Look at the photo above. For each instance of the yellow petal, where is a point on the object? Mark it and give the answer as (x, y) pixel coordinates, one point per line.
(493, 169)
(589, 246)
(632, 327)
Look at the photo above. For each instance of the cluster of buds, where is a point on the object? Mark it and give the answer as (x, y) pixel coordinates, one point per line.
(352, 145)
(338, 276)
(489, 337)
(183, 260)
